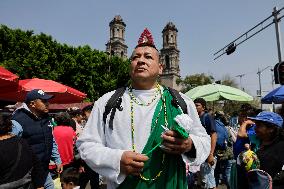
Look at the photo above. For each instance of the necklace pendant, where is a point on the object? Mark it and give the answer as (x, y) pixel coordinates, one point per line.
(165, 128)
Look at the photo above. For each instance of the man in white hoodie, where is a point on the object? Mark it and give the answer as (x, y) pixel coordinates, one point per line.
(150, 139)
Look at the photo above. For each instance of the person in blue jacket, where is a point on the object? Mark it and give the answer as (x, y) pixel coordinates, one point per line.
(32, 122)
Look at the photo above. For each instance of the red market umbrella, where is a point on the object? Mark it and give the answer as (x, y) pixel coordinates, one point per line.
(8, 80)
(62, 94)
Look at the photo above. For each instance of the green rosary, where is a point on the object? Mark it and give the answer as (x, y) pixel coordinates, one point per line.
(133, 99)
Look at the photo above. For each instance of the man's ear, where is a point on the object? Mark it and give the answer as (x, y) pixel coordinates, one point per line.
(161, 68)
(71, 184)
(31, 103)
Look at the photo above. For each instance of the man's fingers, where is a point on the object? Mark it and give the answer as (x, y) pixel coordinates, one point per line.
(139, 157)
(178, 147)
(137, 164)
(170, 145)
(132, 162)
(172, 139)
(132, 170)
(171, 133)
(170, 150)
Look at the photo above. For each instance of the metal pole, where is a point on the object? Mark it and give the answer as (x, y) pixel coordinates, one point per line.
(278, 37)
(241, 82)
(241, 85)
(259, 81)
(272, 83)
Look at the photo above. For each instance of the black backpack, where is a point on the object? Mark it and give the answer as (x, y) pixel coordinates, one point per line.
(115, 103)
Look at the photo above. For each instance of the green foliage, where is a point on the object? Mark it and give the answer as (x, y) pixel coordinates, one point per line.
(229, 81)
(83, 68)
(195, 80)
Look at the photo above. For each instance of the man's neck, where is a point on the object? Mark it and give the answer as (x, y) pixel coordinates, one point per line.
(35, 113)
(143, 85)
(201, 113)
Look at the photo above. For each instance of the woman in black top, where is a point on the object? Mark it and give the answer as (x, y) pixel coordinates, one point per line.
(271, 152)
(19, 167)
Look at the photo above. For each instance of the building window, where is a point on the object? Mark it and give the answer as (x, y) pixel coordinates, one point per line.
(112, 53)
(167, 39)
(167, 58)
(113, 32)
(171, 39)
(121, 54)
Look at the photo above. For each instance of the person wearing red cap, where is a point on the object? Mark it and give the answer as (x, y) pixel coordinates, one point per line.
(150, 139)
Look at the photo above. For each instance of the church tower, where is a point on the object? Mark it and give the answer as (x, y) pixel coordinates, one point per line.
(169, 57)
(116, 45)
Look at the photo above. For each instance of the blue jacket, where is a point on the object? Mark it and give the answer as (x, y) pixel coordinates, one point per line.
(38, 133)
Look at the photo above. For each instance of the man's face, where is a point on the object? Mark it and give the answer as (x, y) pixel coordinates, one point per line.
(40, 106)
(199, 108)
(86, 115)
(145, 64)
(65, 185)
(242, 117)
(79, 118)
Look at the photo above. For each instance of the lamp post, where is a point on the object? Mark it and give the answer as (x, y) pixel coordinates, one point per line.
(241, 76)
(259, 81)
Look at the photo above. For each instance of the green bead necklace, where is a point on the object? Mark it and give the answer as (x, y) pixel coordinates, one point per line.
(133, 99)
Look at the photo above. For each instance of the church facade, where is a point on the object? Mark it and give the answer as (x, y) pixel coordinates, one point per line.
(169, 54)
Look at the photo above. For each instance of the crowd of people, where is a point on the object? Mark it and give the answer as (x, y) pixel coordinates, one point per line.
(144, 136)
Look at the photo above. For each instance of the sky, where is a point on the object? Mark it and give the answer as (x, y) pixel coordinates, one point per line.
(204, 27)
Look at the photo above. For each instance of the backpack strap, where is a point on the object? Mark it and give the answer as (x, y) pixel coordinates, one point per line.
(112, 104)
(115, 103)
(178, 101)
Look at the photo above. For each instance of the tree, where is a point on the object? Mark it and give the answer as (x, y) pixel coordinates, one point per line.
(88, 70)
(229, 81)
(195, 80)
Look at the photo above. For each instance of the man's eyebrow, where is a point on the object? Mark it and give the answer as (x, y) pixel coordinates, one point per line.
(147, 53)
(135, 53)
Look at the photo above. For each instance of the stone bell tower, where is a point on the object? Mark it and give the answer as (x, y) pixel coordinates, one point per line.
(116, 45)
(169, 57)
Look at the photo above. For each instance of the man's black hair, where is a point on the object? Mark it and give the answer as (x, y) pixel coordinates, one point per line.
(88, 108)
(70, 175)
(201, 101)
(5, 124)
(74, 111)
(63, 118)
(248, 110)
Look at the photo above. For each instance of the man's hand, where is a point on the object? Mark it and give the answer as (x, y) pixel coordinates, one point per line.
(242, 132)
(132, 163)
(248, 123)
(211, 159)
(59, 168)
(175, 145)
